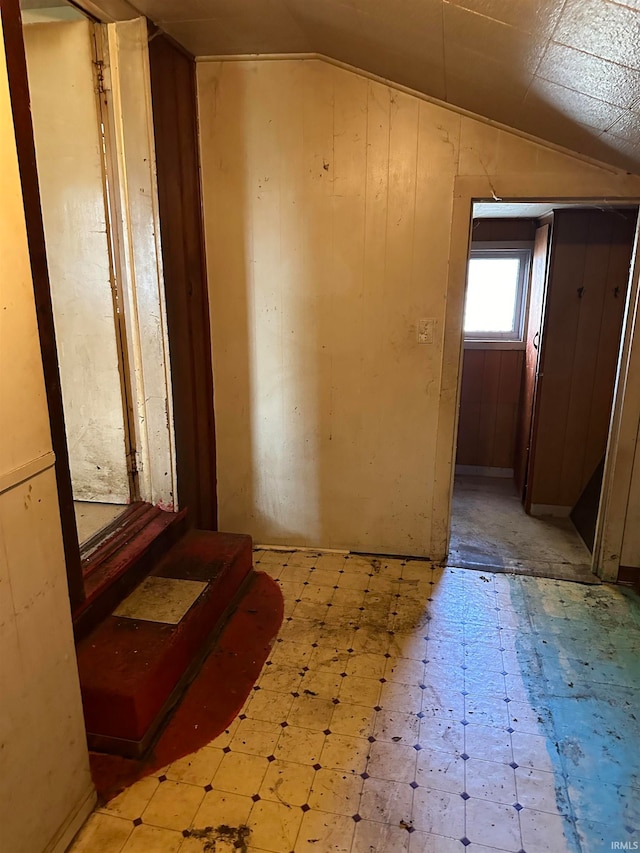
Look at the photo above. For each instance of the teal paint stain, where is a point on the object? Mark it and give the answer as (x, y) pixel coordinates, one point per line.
(580, 663)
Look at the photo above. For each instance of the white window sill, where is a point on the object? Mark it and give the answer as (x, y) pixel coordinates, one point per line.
(477, 344)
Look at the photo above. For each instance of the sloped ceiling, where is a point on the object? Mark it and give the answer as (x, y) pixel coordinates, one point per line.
(564, 70)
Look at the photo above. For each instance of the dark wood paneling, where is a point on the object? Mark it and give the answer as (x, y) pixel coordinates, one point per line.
(504, 230)
(173, 88)
(566, 273)
(489, 403)
(588, 279)
(20, 104)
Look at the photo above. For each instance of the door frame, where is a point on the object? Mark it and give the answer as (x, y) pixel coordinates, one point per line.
(607, 189)
(138, 257)
(25, 144)
(131, 158)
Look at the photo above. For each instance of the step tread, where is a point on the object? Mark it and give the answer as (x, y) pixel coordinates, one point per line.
(130, 666)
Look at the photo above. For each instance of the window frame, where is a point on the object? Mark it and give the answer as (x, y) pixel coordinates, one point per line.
(515, 338)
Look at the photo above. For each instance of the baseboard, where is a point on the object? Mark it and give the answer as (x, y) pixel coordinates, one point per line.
(551, 509)
(303, 548)
(484, 471)
(629, 575)
(73, 824)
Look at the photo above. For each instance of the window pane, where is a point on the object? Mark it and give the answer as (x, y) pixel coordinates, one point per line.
(491, 295)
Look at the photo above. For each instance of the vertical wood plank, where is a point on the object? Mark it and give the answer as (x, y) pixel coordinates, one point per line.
(510, 380)
(489, 404)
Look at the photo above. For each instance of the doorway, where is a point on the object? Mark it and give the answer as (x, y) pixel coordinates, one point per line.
(71, 149)
(544, 310)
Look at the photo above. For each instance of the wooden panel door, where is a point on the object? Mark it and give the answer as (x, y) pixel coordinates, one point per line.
(587, 282)
(537, 294)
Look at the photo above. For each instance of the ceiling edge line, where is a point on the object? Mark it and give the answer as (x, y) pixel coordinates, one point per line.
(528, 137)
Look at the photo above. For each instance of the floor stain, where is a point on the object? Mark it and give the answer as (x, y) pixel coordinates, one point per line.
(236, 836)
(584, 644)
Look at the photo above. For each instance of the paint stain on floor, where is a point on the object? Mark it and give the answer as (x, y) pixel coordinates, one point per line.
(579, 650)
(216, 695)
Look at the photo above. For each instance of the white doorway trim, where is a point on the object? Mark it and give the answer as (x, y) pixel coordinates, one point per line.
(600, 188)
(138, 256)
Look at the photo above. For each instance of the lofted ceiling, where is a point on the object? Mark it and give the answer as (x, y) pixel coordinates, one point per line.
(567, 71)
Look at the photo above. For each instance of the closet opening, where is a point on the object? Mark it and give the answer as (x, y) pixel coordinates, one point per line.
(544, 310)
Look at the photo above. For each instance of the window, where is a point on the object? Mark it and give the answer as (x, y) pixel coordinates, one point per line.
(495, 306)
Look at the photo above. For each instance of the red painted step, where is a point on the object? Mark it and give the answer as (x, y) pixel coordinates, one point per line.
(132, 670)
(142, 536)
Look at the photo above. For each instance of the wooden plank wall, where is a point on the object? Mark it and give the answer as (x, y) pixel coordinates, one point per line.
(588, 279)
(173, 89)
(489, 403)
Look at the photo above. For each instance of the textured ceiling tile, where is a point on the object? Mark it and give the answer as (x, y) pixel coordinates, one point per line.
(395, 26)
(477, 54)
(613, 149)
(272, 13)
(249, 36)
(590, 75)
(603, 29)
(545, 121)
(343, 16)
(484, 85)
(408, 14)
(499, 41)
(425, 47)
(498, 106)
(420, 70)
(218, 37)
(535, 16)
(627, 127)
(478, 70)
(574, 105)
(421, 74)
(185, 10)
(201, 38)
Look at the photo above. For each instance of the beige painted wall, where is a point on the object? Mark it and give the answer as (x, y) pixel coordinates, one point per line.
(45, 786)
(337, 216)
(68, 149)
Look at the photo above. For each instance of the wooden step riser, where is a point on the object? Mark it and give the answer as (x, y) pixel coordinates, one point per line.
(132, 670)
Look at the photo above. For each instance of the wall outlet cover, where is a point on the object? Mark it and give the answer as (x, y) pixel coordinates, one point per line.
(426, 327)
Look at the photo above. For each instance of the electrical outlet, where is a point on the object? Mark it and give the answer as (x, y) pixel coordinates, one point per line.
(425, 330)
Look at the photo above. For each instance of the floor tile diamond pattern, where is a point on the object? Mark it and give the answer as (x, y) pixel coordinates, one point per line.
(403, 708)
